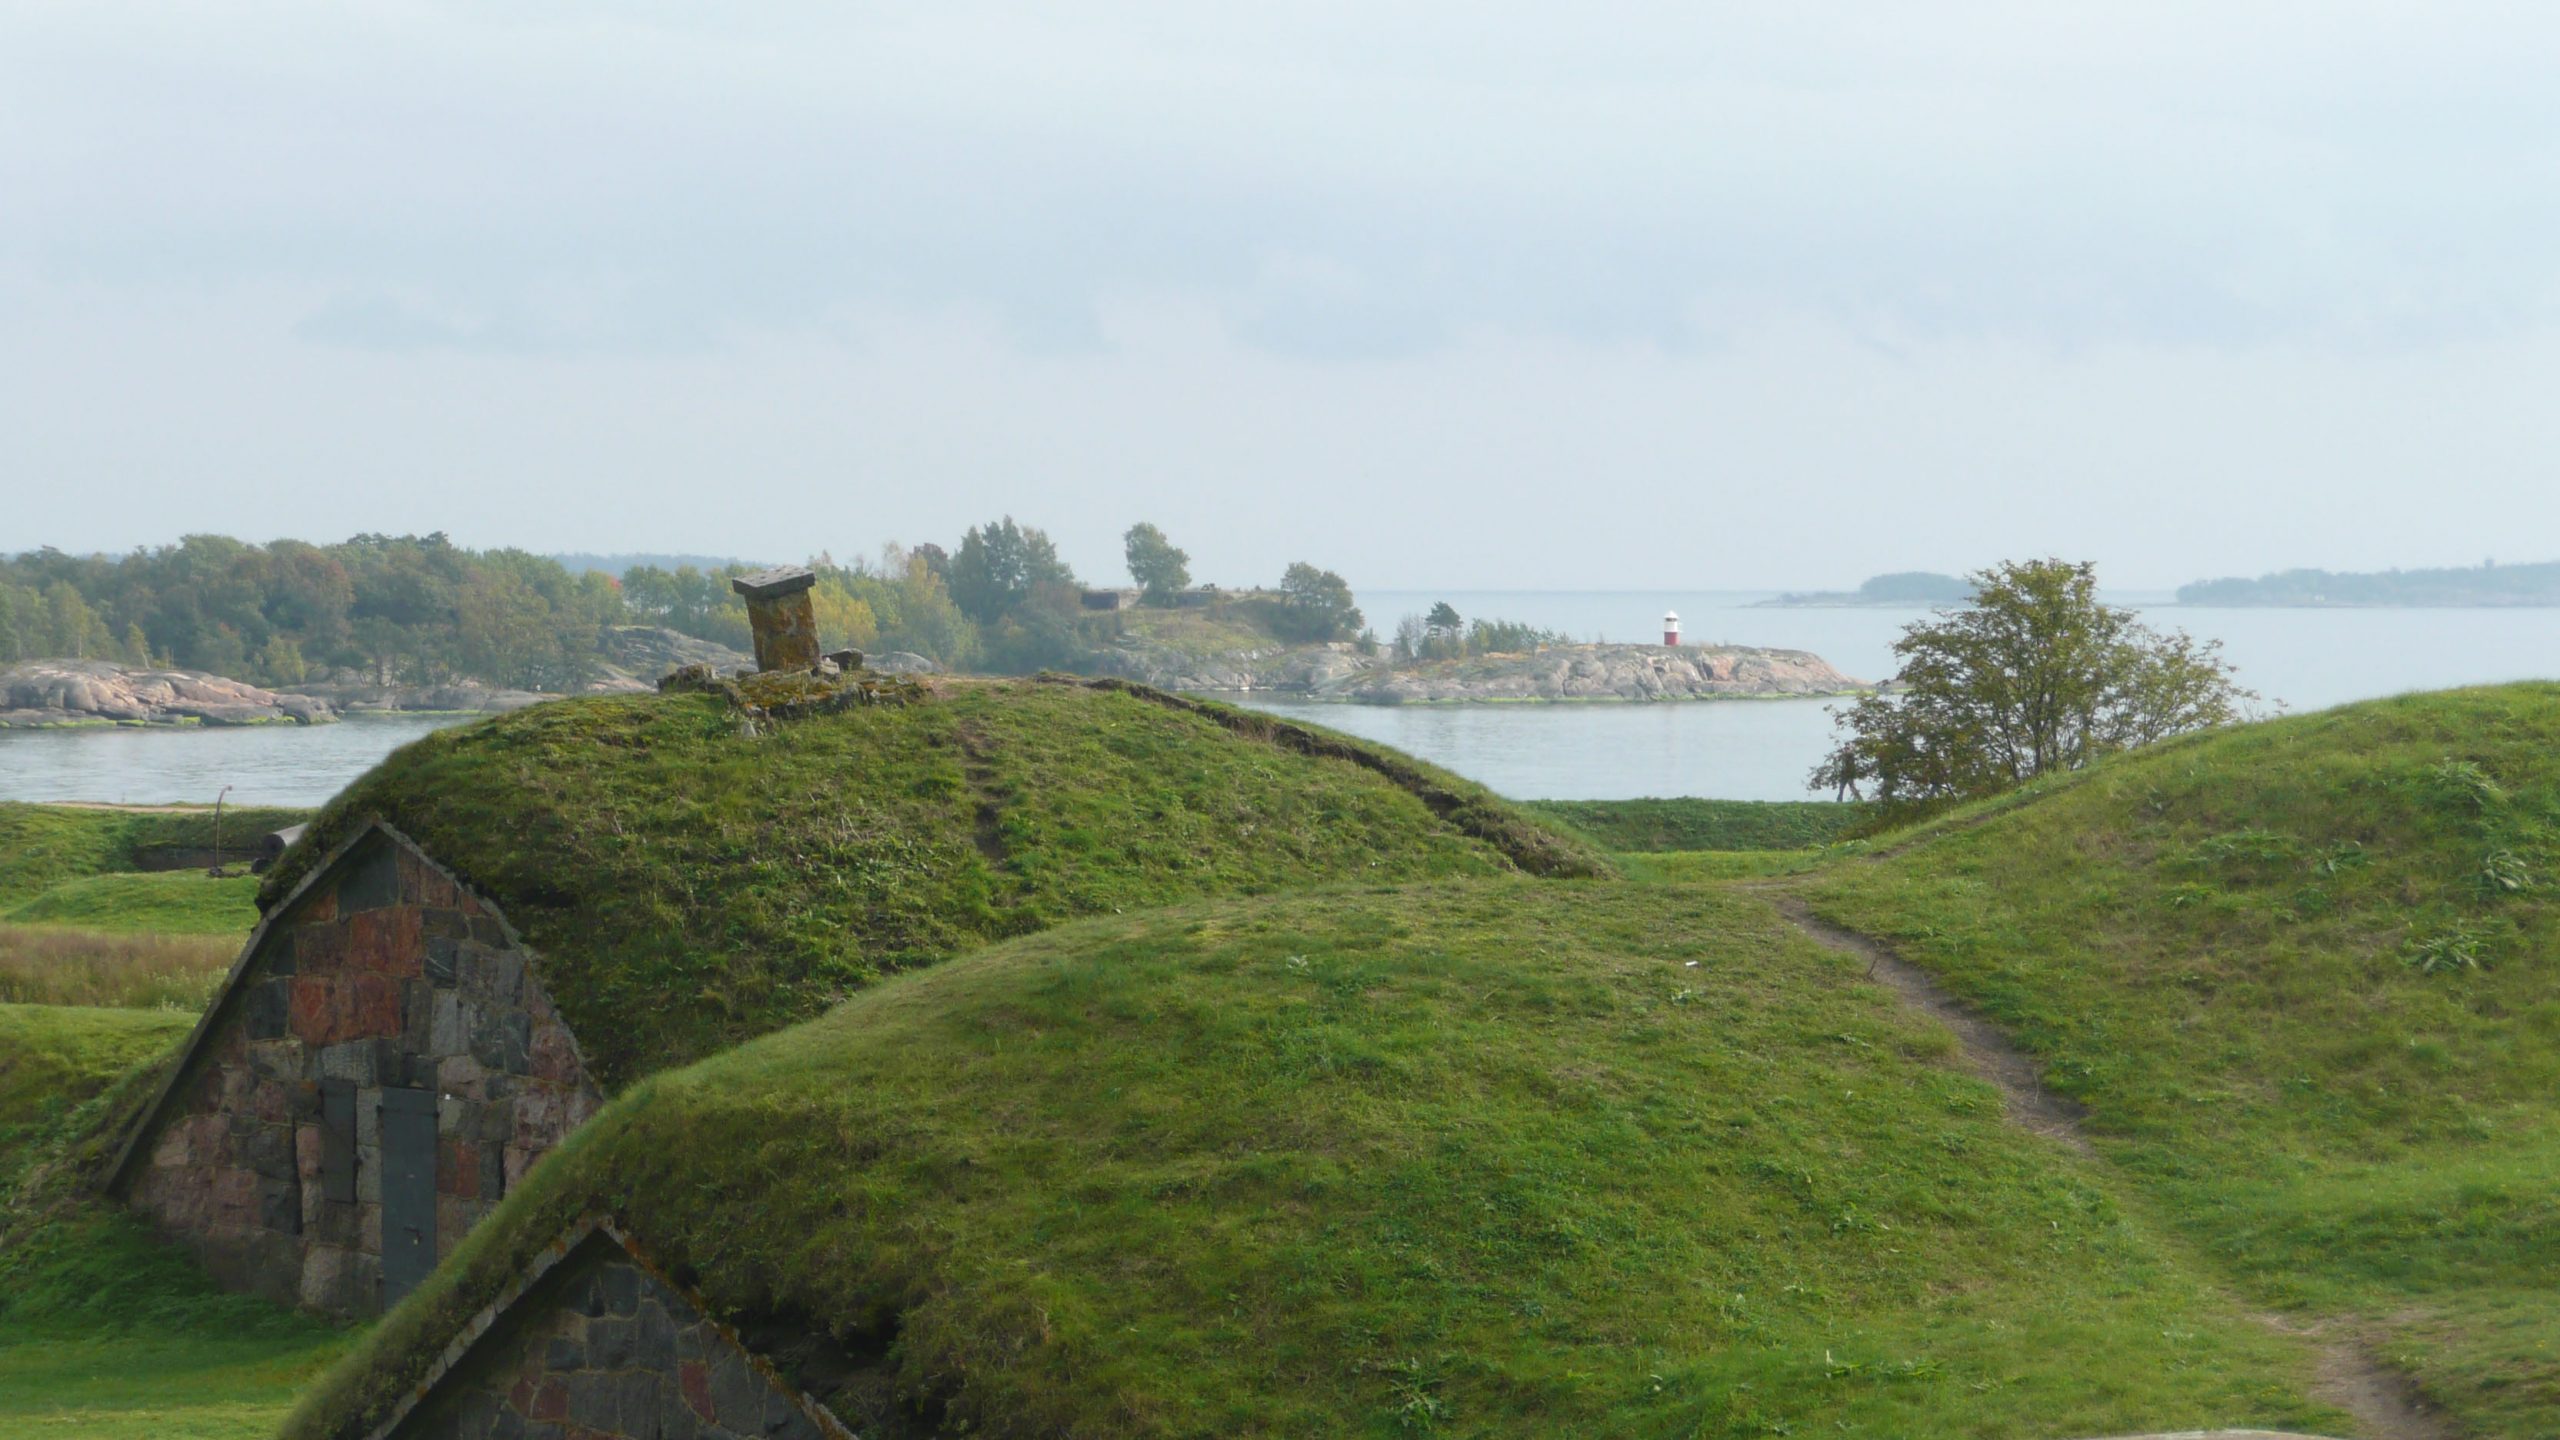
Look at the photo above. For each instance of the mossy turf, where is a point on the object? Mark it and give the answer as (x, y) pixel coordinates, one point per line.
(2306, 976)
(105, 1332)
(1690, 823)
(1474, 1158)
(689, 883)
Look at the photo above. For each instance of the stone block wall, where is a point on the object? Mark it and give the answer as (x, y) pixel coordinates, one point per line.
(605, 1350)
(384, 974)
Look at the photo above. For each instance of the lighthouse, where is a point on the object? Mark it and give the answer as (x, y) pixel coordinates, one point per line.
(1671, 628)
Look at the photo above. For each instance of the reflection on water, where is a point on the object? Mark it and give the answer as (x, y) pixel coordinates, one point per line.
(1749, 750)
(263, 764)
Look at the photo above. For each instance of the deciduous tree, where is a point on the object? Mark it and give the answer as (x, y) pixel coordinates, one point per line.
(2034, 675)
(1161, 568)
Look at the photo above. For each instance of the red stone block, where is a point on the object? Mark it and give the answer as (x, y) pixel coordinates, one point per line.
(554, 1059)
(520, 1399)
(385, 941)
(422, 884)
(310, 1007)
(320, 909)
(373, 1007)
(696, 1379)
(551, 1402)
(458, 1169)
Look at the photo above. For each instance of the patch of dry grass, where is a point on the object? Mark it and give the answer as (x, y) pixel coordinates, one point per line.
(41, 965)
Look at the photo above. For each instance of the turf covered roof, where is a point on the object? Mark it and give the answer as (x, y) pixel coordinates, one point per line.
(689, 879)
(1474, 1158)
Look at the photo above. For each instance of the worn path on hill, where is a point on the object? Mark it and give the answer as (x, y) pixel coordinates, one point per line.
(2385, 1404)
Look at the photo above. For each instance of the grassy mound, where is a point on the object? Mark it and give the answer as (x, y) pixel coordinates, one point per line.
(1480, 1158)
(55, 1057)
(689, 883)
(2303, 974)
(171, 902)
(1688, 823)
(47, 845)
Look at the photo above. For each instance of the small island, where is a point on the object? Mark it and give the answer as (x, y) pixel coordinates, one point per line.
(1901, 590)
(1228, 648)
(2486, 586)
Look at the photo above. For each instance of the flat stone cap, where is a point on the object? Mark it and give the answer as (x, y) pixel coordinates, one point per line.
(778, 581)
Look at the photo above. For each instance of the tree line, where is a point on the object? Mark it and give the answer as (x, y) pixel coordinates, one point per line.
(421, 610)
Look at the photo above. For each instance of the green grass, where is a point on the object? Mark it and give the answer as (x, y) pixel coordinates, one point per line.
(1474, 1158)
(689, 885)
(46, 845)
(53, 1058)
(2302, 973)
(105, 1332)
(169, 902)
(1698, 824)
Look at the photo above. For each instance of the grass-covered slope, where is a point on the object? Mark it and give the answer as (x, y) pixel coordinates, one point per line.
(80, 926)
(105, 1332)
(2306, 975)
(689, 883)
(1481, 1158)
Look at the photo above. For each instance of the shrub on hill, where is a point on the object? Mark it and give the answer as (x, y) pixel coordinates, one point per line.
(2302, 974)
(690, 884)
(1484, 1158)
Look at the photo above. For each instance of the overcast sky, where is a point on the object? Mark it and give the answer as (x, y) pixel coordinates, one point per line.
(1468, 294)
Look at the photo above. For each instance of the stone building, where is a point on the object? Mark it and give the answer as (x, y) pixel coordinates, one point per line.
(380, 1067)
(596, 1340)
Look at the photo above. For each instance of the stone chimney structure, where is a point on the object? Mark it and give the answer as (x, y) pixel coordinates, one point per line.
(778, 610)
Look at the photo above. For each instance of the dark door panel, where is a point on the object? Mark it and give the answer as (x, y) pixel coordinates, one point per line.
(408, 1191)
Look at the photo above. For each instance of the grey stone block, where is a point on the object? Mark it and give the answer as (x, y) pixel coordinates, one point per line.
(280, 1205)
(564, 1352)
(443, 964)
(267, 1150)
(621, 1290)
(369, 881)
(612, 1343)
(737, 1393)
(653, 1337)
(352, 1061)
(449, 1025)
(267, 1008)
(640, 1402)
(595, 1400)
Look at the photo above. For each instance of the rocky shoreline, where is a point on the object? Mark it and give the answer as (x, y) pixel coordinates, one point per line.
(45, 694)
(59, 694)
(1562, 674)
(56, 693)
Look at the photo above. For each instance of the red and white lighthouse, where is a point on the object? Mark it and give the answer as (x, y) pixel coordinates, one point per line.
(1671, 628)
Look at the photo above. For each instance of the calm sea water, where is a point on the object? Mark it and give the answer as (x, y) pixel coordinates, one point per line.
(1753, 750)
(263, 765)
